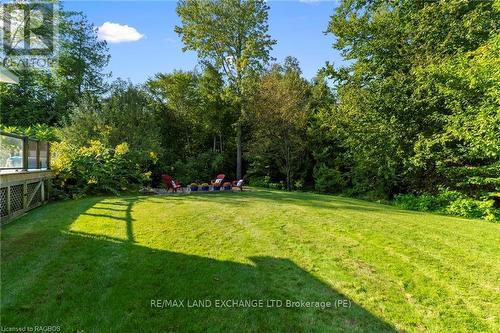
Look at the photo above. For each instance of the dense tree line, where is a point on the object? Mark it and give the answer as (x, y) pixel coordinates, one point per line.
(418, 107)
(415, 115)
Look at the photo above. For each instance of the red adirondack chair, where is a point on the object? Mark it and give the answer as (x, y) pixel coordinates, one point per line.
(218, 180)
(170, 183)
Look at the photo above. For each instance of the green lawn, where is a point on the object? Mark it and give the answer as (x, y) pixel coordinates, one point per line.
(95, 265)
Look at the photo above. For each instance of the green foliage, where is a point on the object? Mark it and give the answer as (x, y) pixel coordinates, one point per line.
(230, 37)
(423, 203)
(449, 202)
(30, 102)
(278, 186)
(414, 110)
(82, 58)
(45, 96)
(279, 119)
(298, 184)
(418, 104)
(107, 145)
(328, 180)
(474, 208)
(465, 153)
(201, 167)
(260, 181)
(195, 123)
(266, 182)
(95, 169)
(124, 116)
(239, 48)
(38, 131)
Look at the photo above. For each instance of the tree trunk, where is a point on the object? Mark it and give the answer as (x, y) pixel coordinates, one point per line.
(238, 151)
(215, 143)
(288, 168)
(288, 180)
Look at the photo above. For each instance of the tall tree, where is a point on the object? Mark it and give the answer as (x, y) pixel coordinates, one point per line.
(230, 36)
(195, 123)
(395, 96)
(176, 101)
(280, 113)
(123, 116)
(82, 59)
(46, 95)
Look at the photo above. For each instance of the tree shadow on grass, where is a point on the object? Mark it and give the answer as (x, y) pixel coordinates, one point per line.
(317, 200)
(98, 283)
(108, 210)
(304, 199)
(278, 199)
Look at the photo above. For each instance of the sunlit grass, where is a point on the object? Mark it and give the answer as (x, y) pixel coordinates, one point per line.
(96, 263)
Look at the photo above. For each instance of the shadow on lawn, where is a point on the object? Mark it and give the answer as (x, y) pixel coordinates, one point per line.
(312, 200)
(105, 284)
(126, 203)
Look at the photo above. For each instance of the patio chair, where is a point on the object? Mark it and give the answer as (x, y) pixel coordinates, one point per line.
(171, 184)
(218, 180)
(239, 184)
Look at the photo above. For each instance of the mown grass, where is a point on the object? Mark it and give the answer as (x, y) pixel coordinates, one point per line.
(95, 264)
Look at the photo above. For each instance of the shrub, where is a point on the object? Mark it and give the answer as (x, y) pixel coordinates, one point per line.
(328, 180)
(449, 202)
(260, 181)
(96, 169)
(423, 203)
(467, 207)
(278, 186)
(298, 184)
(406, 201)
(266, 182)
